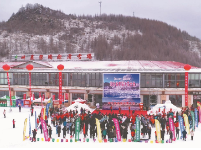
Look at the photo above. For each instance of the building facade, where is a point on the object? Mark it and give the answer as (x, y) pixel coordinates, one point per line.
(159, 80)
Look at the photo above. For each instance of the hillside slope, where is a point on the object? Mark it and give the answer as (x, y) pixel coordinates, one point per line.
(38, 29)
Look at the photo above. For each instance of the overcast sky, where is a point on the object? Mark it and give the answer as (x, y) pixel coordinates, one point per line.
(183, 14)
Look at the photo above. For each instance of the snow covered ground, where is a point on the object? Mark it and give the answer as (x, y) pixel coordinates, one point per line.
(13, 138)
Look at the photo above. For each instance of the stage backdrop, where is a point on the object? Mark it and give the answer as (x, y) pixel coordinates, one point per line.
(123, 103)
(121, 85)
(121, 90)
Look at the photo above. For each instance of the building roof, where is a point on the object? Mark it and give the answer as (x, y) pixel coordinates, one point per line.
(137, 65)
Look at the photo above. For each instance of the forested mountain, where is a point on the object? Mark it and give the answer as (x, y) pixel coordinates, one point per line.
(38, 29)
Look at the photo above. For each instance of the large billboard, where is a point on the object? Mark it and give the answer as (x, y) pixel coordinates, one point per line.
(124, 103)
(117, 85)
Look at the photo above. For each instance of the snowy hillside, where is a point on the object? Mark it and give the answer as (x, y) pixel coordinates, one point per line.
(38, 29)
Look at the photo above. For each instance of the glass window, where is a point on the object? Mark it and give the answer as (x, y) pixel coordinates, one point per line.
(176, 100)
(77, 95)
(3, 93)
(20, 94)
(95, 79)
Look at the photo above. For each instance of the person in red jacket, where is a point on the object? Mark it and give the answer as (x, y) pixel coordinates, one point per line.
(14, 123)
(132, 135)
(37, 121)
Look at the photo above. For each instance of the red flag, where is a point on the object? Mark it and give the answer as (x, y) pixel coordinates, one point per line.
(43, 97)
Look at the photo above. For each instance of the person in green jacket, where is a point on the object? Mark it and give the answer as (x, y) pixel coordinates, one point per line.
(104, 133)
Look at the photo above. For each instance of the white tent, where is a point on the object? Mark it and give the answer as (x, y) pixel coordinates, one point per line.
(39, 100)
(79, 100)
(168, 105)
(78, 106)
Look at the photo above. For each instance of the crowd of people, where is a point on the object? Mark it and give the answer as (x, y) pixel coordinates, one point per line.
(64, 122)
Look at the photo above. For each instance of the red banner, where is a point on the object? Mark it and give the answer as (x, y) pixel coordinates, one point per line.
(39, 94)
(53, 97)
(186, 88)
(30, 86)
(41, 101)
(66, 96)
(24, 96)
(33, 97)
(60, 87)
(9, 89)
(43, 97)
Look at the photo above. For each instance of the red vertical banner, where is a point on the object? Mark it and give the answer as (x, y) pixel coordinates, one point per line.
(62, 98)
(66, 96)
(33, 96)
(53, 97)
(60, 87)
(186, 88)
(41, 101)
(30, 86)
(43, 97)
(24, 96)
(39, 94)
(9, 89)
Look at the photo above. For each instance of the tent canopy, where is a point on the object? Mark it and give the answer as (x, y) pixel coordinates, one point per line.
(167, 106)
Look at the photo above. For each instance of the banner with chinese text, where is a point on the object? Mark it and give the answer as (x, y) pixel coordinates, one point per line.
(123, 103)
(121, 85)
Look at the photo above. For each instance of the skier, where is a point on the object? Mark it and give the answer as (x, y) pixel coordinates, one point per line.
(192, 134)
(4, 112)
(184, 134)
(34, 135)
(14, 123)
